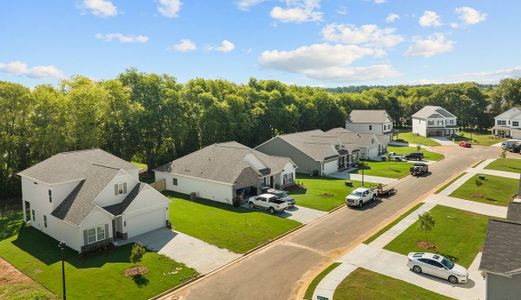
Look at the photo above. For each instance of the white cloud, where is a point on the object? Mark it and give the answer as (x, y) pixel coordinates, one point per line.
(379, 1)
(369, 34)
(169, 8)
(19, 68)
(391, 18)
(185, 45)
(470, 16)
(122, 38)
(430, 19)
(327, 62)
(297, 11)
(247, 4)
(102, 8)
(489, 77)
(454, 25)
(225, 47)
(431, 45)
(342, 11)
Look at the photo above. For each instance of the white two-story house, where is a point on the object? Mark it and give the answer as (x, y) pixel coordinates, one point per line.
(377, 122)
(434, 121)
(508, 124)
(89, 198)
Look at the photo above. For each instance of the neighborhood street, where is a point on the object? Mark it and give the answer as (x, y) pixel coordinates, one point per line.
(285, 267)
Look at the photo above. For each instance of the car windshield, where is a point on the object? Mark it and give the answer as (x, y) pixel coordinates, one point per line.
(447, 263)
(357, 194)
(282, 195)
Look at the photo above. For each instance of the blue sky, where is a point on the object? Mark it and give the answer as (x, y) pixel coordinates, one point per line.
(307, 42)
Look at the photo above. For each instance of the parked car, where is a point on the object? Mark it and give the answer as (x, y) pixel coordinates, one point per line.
(393, 156)
(465, 144)
(360, 196)
(414, 156)
(267, 202)
(508, 145)
(437, 265)
(419, 169)
(282, 195)
(516, 148)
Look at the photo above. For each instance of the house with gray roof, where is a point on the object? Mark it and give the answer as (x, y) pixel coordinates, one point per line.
(501, 259)
(508, 124)
(434, 121)
(369, 146)
(226, 172)
(314, 152)
(90, 198)
(377, 122)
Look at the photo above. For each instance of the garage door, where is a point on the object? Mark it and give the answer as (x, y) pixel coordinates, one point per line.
(145, 222)
(330, 167)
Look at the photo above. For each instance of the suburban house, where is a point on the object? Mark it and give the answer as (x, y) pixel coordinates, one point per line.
(501, 262)
(378, 122)
(434, 121)
(89, 198)
(226, 172)
(368, 145)
(314, 152)
(507, 124)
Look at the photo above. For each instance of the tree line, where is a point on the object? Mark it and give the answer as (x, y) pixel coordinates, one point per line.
(153, 119)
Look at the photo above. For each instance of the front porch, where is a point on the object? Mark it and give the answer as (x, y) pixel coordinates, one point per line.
(348, 160)
(442, 132)
(502, 132)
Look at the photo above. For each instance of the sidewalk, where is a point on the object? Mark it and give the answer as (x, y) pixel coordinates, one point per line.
(472, 206)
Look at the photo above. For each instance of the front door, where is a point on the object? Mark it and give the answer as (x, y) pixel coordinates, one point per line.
(271, 181)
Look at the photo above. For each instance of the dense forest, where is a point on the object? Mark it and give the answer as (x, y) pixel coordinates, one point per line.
(153, 119)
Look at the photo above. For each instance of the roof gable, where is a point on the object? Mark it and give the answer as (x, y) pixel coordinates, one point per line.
(514, 112)
(431, 111)
(369, 116)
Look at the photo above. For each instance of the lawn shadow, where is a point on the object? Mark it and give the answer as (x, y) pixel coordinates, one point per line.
(45, 249)
(140, 280)
(370, 205)
(10, 223)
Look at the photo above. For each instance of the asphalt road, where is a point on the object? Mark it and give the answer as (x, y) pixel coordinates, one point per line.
(283, 269)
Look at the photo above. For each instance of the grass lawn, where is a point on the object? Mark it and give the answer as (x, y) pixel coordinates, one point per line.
(388, 226)
(37, 255)
(235, 228)
(394, 169)
(322, 193)
(411, 138)
(365, 284)
(506, 164)
(313, 285)
(449, 183)
(494, 190)
(457, 234)
(479, 138)
(140, 165)
(428, 155)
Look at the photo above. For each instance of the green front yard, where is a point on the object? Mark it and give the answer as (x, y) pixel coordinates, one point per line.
(403, 150)
(479, 138)
(322, 193)
(493, 190)
(411, 138)
(506, 164)
(396, 221)
(365, 284)
(457, 234)
(393, 169)
(99, 276)
(235, 228)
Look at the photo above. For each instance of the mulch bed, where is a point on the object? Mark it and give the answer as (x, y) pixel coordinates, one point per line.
(426, 245)
(133, 271)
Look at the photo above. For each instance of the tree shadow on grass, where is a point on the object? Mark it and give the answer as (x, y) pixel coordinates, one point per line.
(10, 224)
(140, 280)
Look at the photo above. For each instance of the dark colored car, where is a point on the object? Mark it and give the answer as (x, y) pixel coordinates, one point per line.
(414, 156)
(516, 148)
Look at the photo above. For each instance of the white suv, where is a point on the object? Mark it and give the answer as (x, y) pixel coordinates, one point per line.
(437, 265)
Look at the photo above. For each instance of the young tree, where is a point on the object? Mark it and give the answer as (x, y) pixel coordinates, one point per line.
(426, 222)
(389, 156)
(478, 182)
(136, 254)
(503, 153)
(418, 147)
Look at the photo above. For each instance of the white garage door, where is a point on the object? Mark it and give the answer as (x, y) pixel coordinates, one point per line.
(145, 222)
(516, 134)
(330, 167)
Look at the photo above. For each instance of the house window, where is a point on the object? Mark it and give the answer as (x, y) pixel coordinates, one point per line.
(372, 141)
(430, 123)
(370, 127)
(95, 234)
(34, 215)
(501, 122)
(120, 188)
(174, 181)
(515, 123)
(440, 123)
(45, 221)
(50, 196)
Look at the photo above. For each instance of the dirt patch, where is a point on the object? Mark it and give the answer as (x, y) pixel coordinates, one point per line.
(326, 195)
(476, 195)
(426, 245)
(18, 285)
(11, 275)
(133, 271)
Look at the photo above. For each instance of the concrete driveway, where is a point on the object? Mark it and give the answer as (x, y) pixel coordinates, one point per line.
(358, 177)
(300, 214)
(180, 247)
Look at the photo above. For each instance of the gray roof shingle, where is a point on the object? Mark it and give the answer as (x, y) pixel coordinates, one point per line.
(514, 211)
(502, 248)
(352, 140)
(431, 111)
(314, 143)
(369, 116)
(71, 166)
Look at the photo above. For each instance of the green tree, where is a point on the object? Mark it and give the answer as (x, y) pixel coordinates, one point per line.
(136, 255)
(426, 223)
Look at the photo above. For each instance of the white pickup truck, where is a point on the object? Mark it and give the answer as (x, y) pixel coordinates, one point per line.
(393, 156)
(268, 202)
(361, 196)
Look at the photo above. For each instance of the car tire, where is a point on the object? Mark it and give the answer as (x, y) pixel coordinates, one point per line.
(361, 204)
(374, 197)
(453, 279)
(271, 210)
(417, 269)
(251, 205)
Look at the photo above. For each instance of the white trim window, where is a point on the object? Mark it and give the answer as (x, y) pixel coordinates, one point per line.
(120, 188)
(95, 234)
